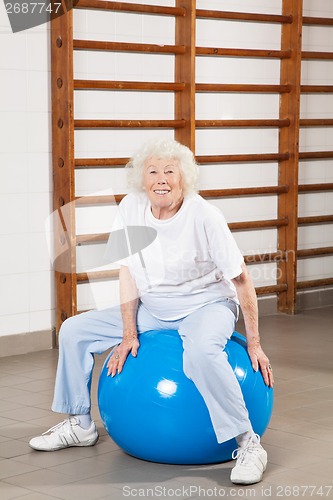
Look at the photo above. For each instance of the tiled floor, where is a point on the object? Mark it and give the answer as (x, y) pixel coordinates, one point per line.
(299, 439)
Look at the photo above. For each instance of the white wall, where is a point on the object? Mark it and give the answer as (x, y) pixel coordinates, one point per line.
(26, 284)
(316, 139)
(26, 293)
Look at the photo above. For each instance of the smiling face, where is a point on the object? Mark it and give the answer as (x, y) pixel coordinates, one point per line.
(162, 182)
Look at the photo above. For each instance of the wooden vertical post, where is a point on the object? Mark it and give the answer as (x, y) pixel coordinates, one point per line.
(185, 72)
(289, 143)
(63, 163)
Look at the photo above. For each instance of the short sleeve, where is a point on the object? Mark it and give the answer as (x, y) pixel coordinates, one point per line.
(117, 245)
(222, 245)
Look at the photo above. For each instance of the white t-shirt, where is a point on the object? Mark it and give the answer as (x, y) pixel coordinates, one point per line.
(181, 263)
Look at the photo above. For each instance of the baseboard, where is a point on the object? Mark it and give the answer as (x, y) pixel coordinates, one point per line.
(267, 305)
(312, 299)
(23, 343)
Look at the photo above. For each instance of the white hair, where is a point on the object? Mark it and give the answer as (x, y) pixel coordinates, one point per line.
(166, 149)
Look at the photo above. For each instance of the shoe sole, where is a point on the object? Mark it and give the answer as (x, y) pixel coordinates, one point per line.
(248, 482)
(80, 445)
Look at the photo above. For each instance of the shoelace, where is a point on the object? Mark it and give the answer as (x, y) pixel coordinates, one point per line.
(243, 453)
(61, 424)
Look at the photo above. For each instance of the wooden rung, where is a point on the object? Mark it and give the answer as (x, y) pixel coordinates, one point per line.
(314, 252)
(100, 162)
(118, 85)
(313, 155)
(258, 224)
(127, 47)
(129, 124)
(206, 193)
(242, 123)
(263, 258)
(270, 289)
(317, 55)
(249, 259)
(243, 16)
(247, 158)
(246, 88)
(301, 285)
(268, 157)
(87, 239)
(316, 122)
(325, 186)
(97, 276)
(249, 191)
(130, 7)
(323, 21)
(269, 54)
(315, 219)
(114, 274)
(98, 200)
(316, 89)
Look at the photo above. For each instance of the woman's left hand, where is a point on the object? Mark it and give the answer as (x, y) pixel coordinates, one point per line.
(120, 353)
(260, 360)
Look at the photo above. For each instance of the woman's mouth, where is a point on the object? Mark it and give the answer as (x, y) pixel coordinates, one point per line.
(161, 192)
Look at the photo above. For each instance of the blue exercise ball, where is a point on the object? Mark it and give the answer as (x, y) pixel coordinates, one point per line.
(154, 412)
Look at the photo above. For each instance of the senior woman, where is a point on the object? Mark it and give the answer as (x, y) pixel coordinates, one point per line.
(191, 278)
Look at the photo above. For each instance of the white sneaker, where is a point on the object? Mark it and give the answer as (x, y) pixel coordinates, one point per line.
(251, 462)
(64, 435)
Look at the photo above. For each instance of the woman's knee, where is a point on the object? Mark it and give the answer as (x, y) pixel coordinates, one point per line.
(69, 330)
(199, 353)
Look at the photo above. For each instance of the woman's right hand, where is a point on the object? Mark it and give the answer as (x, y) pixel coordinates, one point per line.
(129, 344)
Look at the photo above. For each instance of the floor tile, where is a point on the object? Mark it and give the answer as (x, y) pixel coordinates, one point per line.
(18, 430)
(40, 480)
(323, 469)
(10, 491)
(12, 448)
(9, 468)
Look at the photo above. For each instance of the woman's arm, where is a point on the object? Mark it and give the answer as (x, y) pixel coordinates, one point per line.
(129, 306)
(249, 306)
(129, 301)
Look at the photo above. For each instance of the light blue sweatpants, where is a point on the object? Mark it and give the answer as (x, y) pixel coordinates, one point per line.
(204, 333)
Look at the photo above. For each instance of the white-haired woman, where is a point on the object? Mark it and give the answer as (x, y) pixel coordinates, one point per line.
(190, 277)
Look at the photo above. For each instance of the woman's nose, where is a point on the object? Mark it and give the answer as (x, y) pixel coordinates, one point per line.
(161, 179)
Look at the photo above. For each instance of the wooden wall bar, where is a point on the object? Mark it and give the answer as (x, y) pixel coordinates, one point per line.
(184, 123)
(319, 21)
(127, 47)
(207, 193)
(63, 165)
(118, 85)
(185, 72)
(226, 52)
(130, 7)
(290, 74)
(246, 158)
(242, 16)
(242, 87)
(308, 89)
(317, 55)
(315, 155)
(129, 124)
